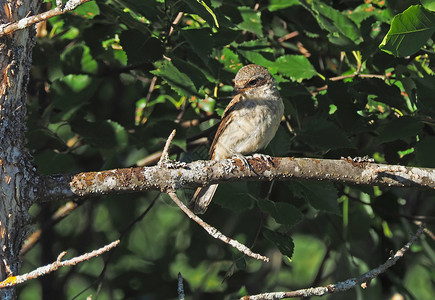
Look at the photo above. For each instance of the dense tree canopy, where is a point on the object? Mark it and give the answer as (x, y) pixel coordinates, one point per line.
(113, 78)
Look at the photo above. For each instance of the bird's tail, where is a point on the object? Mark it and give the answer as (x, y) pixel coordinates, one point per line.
(202, 198)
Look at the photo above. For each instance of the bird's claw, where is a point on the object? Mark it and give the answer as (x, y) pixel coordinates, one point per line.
(267, 158)
(244, 161)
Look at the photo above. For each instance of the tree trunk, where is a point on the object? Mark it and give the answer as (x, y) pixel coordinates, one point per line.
(18, 177)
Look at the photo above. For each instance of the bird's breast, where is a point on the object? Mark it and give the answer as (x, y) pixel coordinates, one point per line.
(251, 127)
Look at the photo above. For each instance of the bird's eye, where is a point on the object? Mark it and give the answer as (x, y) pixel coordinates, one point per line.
(253, 82)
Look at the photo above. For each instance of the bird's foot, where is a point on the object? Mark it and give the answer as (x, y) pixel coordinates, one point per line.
(244, 161)
(267, 158)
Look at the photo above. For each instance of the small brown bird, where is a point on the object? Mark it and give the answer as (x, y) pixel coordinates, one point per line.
(248, 124)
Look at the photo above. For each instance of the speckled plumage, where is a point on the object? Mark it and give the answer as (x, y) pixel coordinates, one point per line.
(248, 124)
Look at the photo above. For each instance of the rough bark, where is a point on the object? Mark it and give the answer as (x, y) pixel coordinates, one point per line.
(174, 175)
(18, 178)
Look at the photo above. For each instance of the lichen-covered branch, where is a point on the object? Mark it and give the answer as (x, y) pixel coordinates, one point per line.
(41, 271)
(175, 175)
(363, 280)
(29, 21)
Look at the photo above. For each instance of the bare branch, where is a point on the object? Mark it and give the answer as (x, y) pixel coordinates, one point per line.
(165, 156)
(214, 232)
(363, 280)
(41, 271)
(201, 173)
(29, 21)
(180, 287)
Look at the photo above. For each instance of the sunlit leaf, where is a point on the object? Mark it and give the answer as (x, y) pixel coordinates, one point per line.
(342, 30)
(297, 67)
(409, 31)
(88, 10)
(251, 20)
(428, 4)
(281, 4)
(179, 82)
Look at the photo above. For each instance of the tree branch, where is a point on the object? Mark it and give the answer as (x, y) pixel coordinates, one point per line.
(214, 232)
(180, 288)
(176, 175)
(29, 21)
(342, 286)
(41, 271)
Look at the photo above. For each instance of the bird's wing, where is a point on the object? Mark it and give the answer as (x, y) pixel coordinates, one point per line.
(226, 119)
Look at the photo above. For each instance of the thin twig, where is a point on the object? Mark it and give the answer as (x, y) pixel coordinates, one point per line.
(214, 232)
(337, 78)
(288, 36)
(41, 271)
(342, 286)
(29, 21)
(180, 287)
(342, 77)
(165, 155)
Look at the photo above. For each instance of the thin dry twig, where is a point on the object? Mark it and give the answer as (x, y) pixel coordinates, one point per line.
(29, 21)
(214, 232)
(41, 271)
(165, 156)
(342, 286)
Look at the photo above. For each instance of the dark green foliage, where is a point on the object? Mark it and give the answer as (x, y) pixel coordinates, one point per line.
(112, 79)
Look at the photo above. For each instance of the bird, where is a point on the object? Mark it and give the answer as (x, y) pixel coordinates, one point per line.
(248, 123)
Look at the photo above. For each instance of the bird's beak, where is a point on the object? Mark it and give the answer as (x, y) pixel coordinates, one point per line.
(237, 91)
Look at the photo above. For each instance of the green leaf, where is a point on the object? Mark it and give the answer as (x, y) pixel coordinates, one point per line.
(103, 135)
(283, 213)
(140, 47)
(72, 92)
(230, 60)
(321, 195)
(400, 128)
(179, 82)
(281, 4)
(203, 10)
(324, 135)
(282, 241)
(255, 52)
(52, 162)
(281, 143)
(201, 42)
(118, 14)
(296, 67)
(78, 59)
(251, 20)
(424, 152)
(381, 90)
(87, 10)
(342, 30)
(234, 196)
(148, 8)
(428, 4)
(409, 31)
(210, 11)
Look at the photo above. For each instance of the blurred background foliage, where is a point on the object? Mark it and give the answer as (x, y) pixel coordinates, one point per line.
(112, 79)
